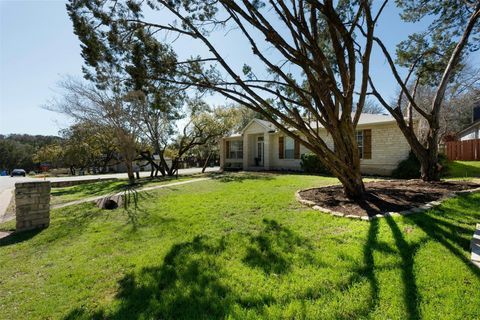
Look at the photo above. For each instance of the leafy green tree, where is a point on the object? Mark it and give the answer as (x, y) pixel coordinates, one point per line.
(319, 75)
(87, 144)
(14, 154)
(213, 124)
(52, 154)
(433, 58)
(141, 62)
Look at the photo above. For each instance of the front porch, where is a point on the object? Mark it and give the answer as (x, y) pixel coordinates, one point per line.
(252, 150)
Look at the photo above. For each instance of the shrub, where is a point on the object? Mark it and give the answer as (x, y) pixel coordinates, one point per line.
(410, 167)
(310, 163)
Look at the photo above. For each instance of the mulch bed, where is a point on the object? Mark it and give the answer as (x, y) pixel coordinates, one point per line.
(385, 196)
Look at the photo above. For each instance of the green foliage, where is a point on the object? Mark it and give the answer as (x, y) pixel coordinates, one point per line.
(241, 247)
(431, 50)
(52, 154)
(88, 144)
(310, 163)
(409, 168)
(17, 150)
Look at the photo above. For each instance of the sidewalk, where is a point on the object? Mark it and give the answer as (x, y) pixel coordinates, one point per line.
(93, 199)
(7, 185)
(5, 198)
(6, 218)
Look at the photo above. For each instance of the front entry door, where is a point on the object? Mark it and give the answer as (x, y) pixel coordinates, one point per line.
(260, 151)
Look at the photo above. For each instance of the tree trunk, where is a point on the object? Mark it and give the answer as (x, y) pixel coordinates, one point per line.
(429, 167)
(352, 183)
(171, 171)
(130, 173)
(206, 162)
(344, 164)
(152, 171)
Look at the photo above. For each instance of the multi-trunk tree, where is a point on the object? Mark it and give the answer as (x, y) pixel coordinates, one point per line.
(106, 107)
(433, 58)
(308, 63)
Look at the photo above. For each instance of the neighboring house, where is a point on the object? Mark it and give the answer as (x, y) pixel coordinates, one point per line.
(470, 133)
(262, 146)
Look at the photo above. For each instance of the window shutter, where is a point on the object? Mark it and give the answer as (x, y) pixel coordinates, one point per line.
(367, 144)
(296, 152)
(280, 148)
(227, 149)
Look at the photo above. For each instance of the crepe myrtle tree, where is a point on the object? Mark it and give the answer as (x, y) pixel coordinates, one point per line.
(308, 64)
(433, 59)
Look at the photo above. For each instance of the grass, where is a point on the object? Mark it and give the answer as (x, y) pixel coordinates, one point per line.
(464, 169)
(457, 169)
(68, 194)
(241, 247)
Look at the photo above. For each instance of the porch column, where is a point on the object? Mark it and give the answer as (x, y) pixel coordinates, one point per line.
(267, 144)
(245, 152)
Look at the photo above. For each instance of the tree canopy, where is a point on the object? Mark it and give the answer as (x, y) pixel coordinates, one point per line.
(318, 76)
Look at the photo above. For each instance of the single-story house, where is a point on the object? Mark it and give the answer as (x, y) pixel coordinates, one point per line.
(262, 146)
(471, 132)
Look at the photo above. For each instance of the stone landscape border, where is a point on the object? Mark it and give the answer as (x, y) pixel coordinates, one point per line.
(420, 209)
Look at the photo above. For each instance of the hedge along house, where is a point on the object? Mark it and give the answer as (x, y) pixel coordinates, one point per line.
(262, 146)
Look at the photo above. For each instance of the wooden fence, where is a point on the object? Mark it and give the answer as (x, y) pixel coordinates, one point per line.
(468, 150)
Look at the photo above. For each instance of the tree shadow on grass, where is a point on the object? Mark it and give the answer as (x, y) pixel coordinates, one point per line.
(185, 286)
(443, 225)
(89, 189)
(370, 266)
(271, 249)
(407, 253)
(240, 177)
(367, 270)
(188, 284)
(110, 186)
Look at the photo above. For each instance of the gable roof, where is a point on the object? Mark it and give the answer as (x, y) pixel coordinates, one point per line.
(267, 125)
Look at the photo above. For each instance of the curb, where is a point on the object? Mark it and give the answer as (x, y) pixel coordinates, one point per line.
(414, 210)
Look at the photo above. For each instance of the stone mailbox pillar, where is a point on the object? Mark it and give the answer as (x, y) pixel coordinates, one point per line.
(32, 201)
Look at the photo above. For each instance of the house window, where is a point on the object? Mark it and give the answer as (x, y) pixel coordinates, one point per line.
(360, 143)
(235, 150)
(289, 148)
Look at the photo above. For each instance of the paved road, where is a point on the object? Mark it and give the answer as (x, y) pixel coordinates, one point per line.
(7, 184)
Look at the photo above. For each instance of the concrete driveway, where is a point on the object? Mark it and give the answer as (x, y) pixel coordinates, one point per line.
(7, 184)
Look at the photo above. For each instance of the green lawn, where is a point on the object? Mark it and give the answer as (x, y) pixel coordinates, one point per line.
(68, 194)
(241, 247)
(464, 169)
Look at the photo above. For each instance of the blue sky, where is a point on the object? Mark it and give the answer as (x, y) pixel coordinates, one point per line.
(38, 47)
